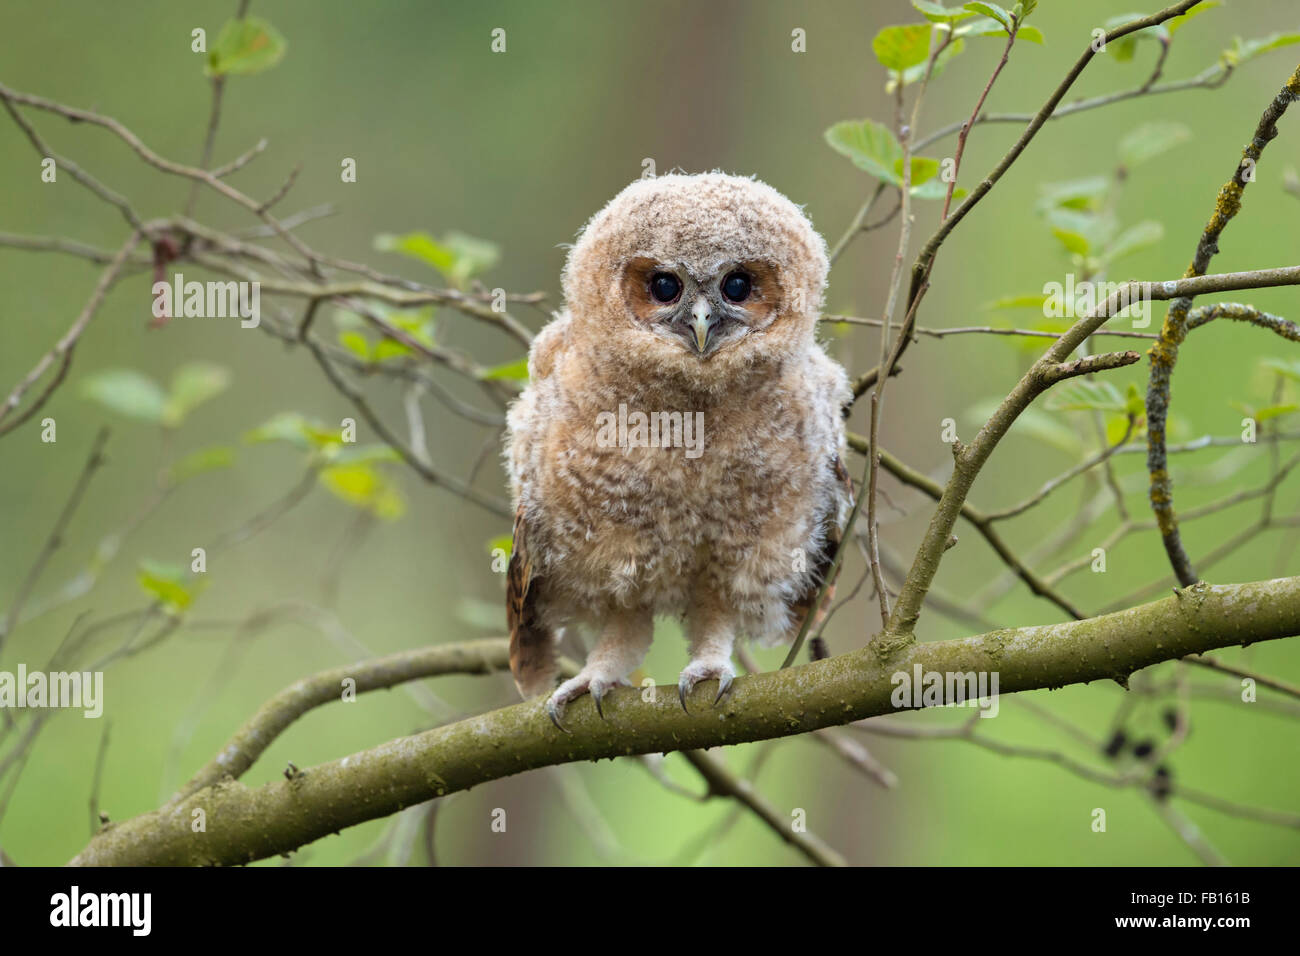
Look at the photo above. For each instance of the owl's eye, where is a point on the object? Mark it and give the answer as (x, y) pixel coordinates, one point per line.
(665, 287)
(736, 287)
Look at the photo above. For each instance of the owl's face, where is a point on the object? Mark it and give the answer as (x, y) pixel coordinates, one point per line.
(704, 307)
(698, 278)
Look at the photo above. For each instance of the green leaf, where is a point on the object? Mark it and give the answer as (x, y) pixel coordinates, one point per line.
(513, 371)
(1125, 47)
(127, 392)
(359, 454)
(245, 47)
(193, 384)
(363, 486)
(1036, 424)
(1275, 411)
(990, 10)
(1177, 22)
(1099, 228)
(935, 189)
(1287, 369)
(391, 348)
(457, 256)
(418, 324)
(201, 462)
(1144, 234)
(356, 343)
(1073, 241)
(1134, 403)
(1033, 301)
(900, 47)
(420, 246)
(1030, 33)
(870, 145)
(1075, 194)
(293, 428)
(937, 13)
(990, 27)
(470, 256)
(1150, 140)
(1117, 428)
(923, 169)
(504, 542)
(1081, 395)
(168, 583)
(914, 73)
(1244, 50)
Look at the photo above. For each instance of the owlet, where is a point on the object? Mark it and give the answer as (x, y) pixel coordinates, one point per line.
(678, 450)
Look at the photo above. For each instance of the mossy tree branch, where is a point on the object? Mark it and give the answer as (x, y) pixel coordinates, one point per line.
(1164, 354)
(245, 824)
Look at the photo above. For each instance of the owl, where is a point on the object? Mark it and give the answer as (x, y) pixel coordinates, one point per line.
(679, 448)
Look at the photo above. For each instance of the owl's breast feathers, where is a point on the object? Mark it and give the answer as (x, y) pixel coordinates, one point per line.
(749, 506)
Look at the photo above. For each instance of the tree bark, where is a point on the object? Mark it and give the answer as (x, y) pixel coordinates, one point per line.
(243, 824)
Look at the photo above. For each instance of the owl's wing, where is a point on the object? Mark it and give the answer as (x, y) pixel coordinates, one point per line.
(533, 658)
(804, 605)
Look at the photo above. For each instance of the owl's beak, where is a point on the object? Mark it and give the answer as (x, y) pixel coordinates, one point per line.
(702, 324)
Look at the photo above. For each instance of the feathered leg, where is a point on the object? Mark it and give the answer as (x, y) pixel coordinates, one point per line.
(711, 630)
(622, 645)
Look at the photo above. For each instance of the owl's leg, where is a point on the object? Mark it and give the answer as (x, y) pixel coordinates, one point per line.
(711, 630)
(624, 639)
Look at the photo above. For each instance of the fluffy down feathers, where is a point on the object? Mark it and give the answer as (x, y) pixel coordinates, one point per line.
(731, 533)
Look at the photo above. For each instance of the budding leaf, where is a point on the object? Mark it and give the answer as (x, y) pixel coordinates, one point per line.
(990, 10)
(245, 47)
(167, 583)
(127, 392)
(1080, 395)
(193, 384)
(201, 462)
(1150, 140)
(516, 371)
(363, 486)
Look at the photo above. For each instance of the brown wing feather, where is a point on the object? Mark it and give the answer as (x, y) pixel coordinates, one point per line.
(804, 605)
(533, 658)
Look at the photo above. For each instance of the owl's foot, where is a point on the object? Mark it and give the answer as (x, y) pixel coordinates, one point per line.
(705, 668)
(587, 682)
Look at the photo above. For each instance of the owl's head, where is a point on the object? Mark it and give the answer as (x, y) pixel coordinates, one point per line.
(698, 275)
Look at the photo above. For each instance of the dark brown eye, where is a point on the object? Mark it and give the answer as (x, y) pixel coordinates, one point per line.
(736, 287)
(665, 287)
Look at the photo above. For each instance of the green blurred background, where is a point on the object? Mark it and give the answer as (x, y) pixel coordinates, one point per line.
(520, 148)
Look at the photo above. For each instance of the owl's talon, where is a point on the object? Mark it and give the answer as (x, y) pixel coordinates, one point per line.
(598, 691)
(701, 670)
(553, 710)
(724, 685)
(572, 689)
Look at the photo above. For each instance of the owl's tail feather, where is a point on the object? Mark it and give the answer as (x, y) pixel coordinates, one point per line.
(534, 660)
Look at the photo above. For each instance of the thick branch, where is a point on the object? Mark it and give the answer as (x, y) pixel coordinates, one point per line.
(244, 824)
